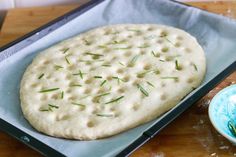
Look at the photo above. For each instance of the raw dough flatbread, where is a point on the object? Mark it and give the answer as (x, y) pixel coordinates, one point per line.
(110, 79)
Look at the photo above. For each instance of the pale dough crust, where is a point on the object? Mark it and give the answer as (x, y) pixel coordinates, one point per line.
(148, 68)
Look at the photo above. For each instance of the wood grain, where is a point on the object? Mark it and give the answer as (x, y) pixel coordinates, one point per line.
(190, 135)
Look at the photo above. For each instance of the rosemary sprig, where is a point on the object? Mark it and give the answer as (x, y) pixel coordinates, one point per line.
(104, 115)
(75, 85)
(122, 48)
(144, 46)
(94, 54)
(177, 66)
(143, 73)
(78, 104)
(41, 76)
(118, 79)
(142, 90)
(115, 100)
(45, 110)
(169, 77)
(99, 77)
(154, 54)
(121, 63)
(117, 42)
(67, 60)
(48, 90)
(53, 106)
(101, 95)
(106, 65)
(133, 60)
(57, 67)
(65, 50)
(62, 94)
(161, 60)
(150, 84)
(80, 73)
(195, 67)
(102, 46)
(103, 82)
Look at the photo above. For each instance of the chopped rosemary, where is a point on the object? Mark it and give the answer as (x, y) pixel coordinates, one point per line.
(118, 79)
(106, 65)
(86, 42)
(101, 95)
(53, 106)
(78, 104)
(168, 77)
(115, 100)
(133, 60)
(104, 115)
(102, 46)
(80, 73)
(195, 67)
(144, 46)
(177, 66)
(94, 54)
(41, 76)
(44, 110)
(117, 42)
(65, 50)
(161, 60)
(143, 73)
(62, 94)
(170, 41)
(103, 82)
(98, 77)
(75, 85)
(149, 83)
(142, 90)
(122, 48)
(121, 63)
(57, 67)
(48, 90)
(154, 54)
(67, 60)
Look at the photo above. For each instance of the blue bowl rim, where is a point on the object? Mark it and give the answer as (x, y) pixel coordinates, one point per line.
(232, 139)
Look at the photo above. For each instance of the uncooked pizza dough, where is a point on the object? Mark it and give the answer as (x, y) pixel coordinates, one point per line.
(110, 79)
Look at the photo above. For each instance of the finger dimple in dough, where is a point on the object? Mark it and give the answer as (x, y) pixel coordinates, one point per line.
(129, 74)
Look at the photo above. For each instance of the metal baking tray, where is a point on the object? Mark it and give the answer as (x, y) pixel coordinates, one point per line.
(215, 33)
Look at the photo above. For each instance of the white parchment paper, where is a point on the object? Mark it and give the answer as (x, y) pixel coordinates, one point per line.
(215, 33)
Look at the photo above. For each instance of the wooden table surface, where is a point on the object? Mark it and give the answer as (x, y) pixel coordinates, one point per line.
(190, 135)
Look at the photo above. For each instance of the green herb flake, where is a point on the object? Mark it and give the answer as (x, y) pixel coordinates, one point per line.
(168, 77)
(78, 104)
(106, 65)
(161, 60)
(117, 42)
(101, 95)
(65, 50)
(104, 115)
(48, 90)
(99, 77)
(144, 46)
(44, 110)
(142, 90)
(155, 54)
(53, 106)
(133, 60)
(57, 67)
(62, 94)
(102, 46)
(41, 76)
(94, 54)
(118, 79)
(121, 63)
(115, 100)
(195, 67)
(103, 82)
(67, 60)
(80, 73)
(150, 84)
(177, 66)
(75, 85)
(122, 48)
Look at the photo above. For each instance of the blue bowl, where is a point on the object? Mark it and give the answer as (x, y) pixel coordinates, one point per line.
(219, 113)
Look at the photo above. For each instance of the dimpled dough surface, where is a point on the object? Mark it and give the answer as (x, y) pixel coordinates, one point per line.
(110, 79)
